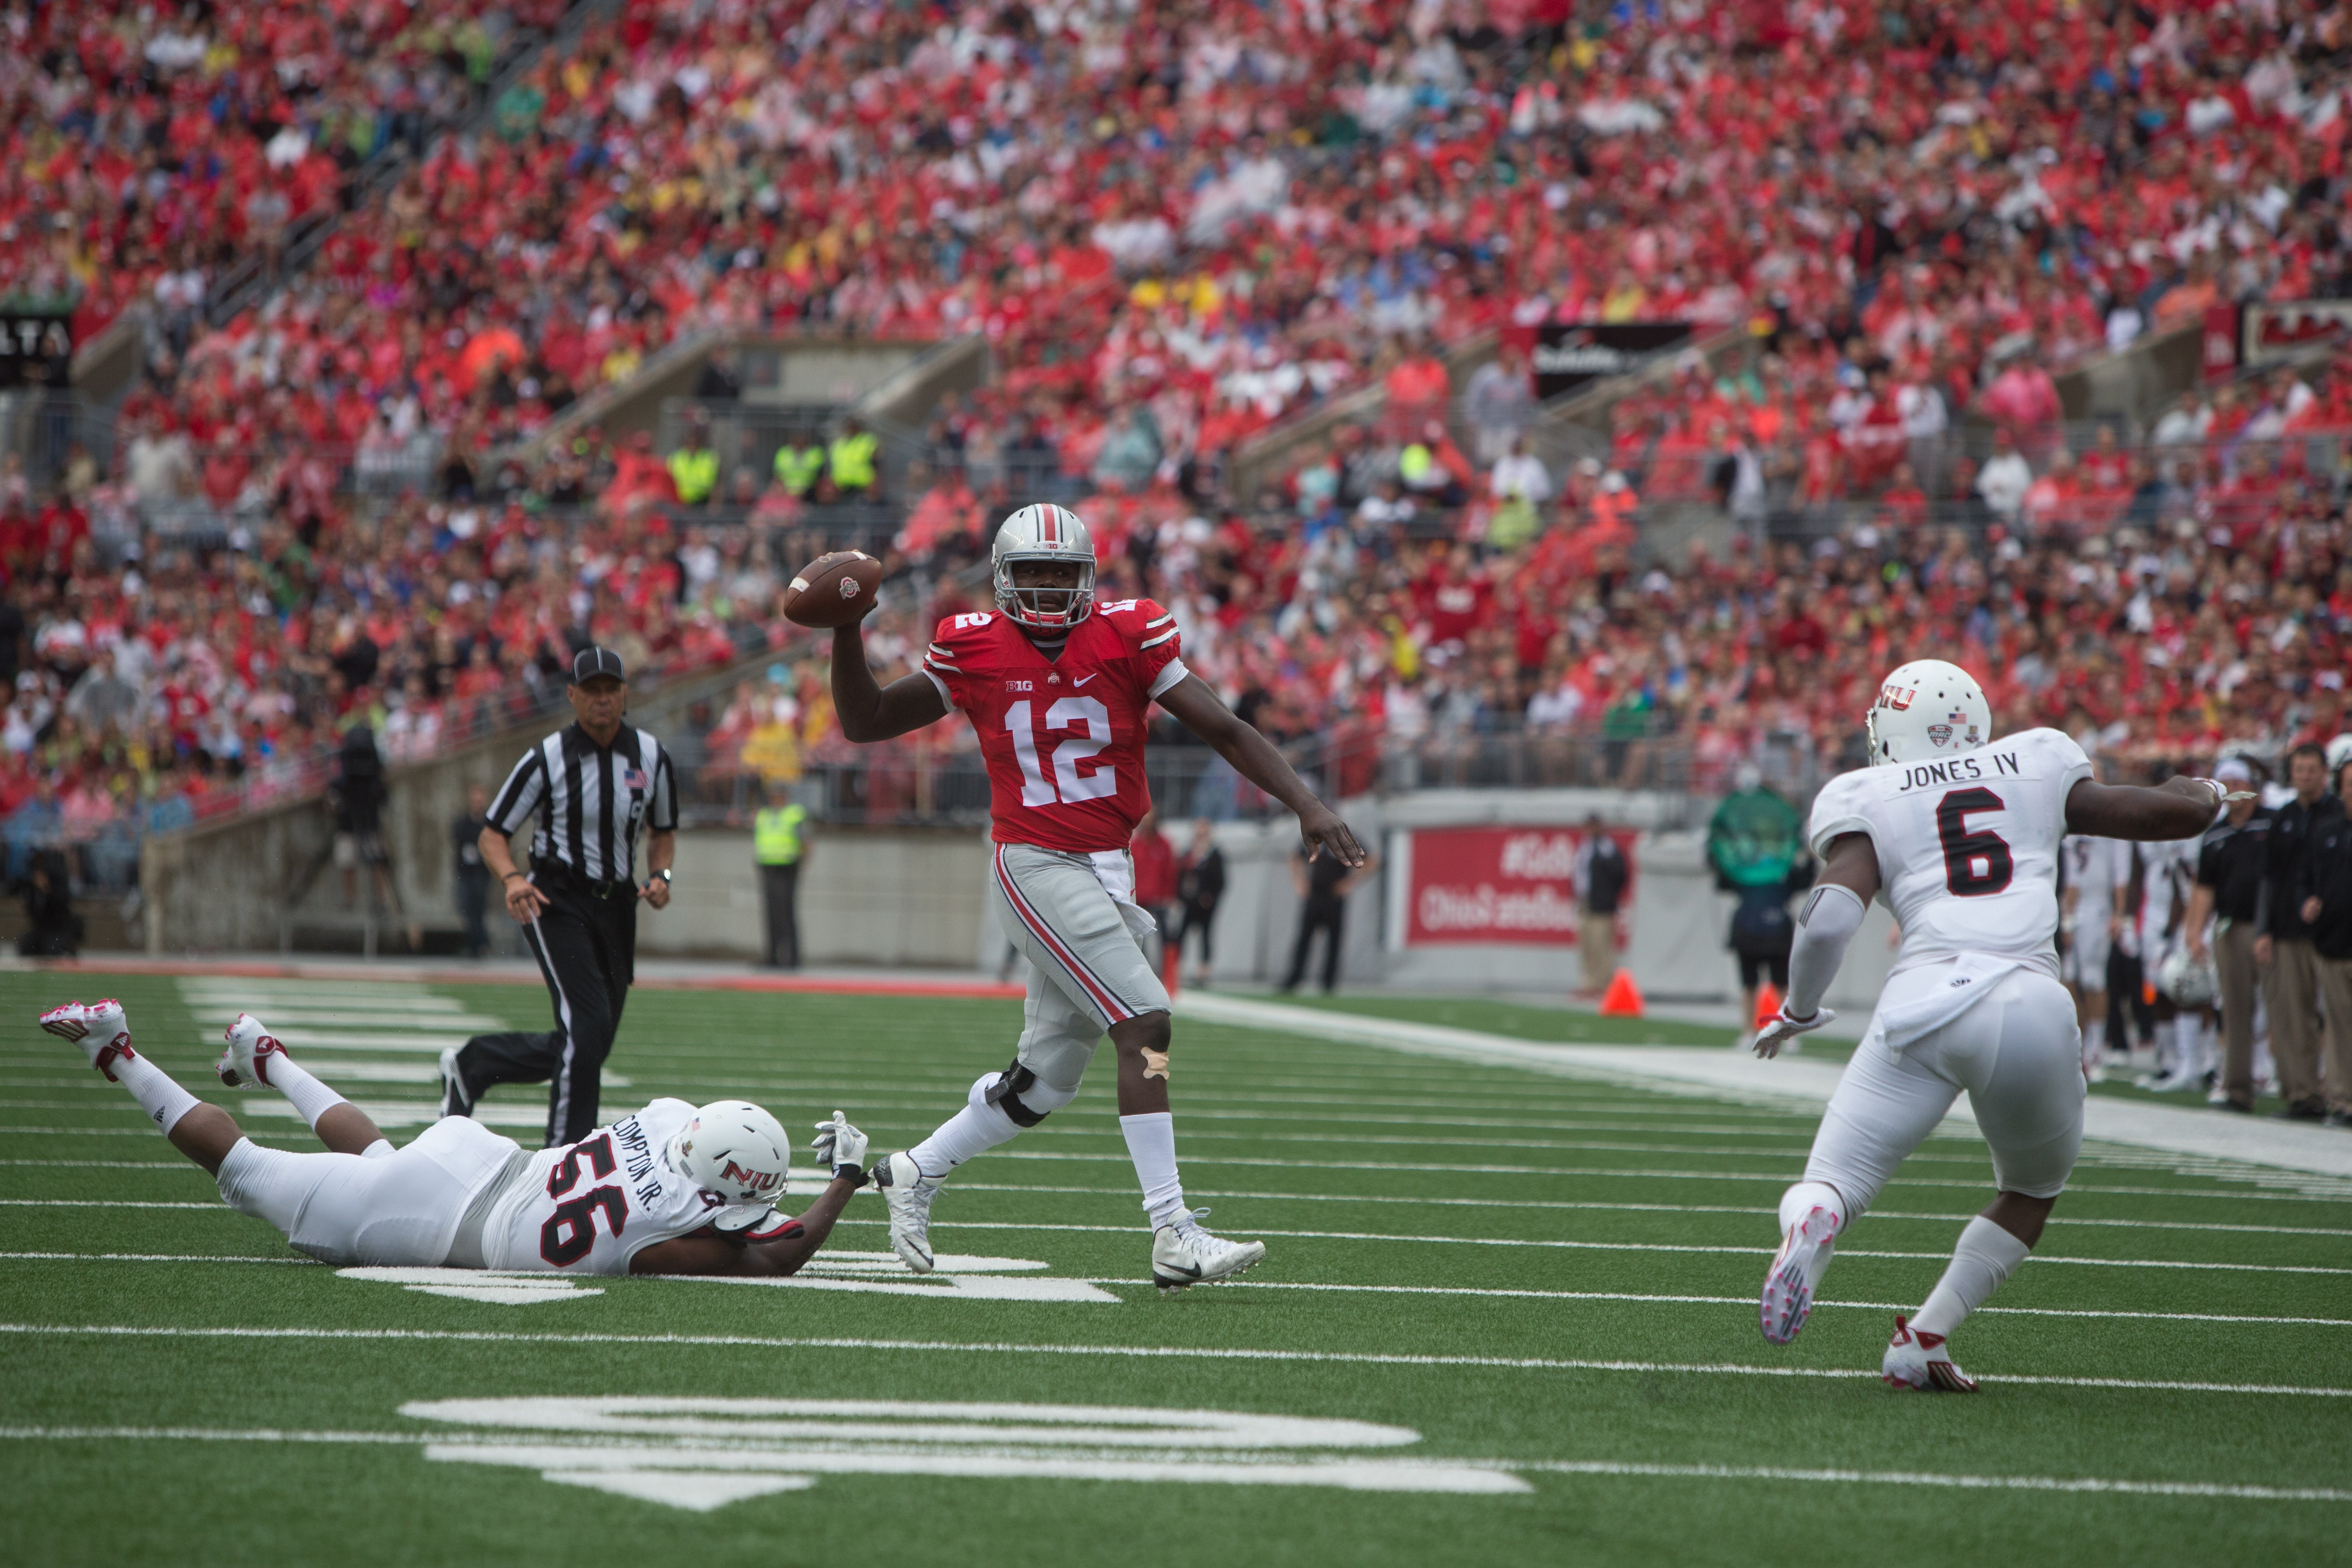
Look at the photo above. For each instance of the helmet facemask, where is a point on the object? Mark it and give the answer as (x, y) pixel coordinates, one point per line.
(1043, 609)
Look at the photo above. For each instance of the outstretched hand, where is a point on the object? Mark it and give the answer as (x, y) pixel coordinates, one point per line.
(1782, 1028)
(1321, 829)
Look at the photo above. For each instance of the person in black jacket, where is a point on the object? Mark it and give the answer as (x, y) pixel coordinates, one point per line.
(2324, 902)
(1601, 875)
(1200, 884)
(2232, 860)
(2282, 939)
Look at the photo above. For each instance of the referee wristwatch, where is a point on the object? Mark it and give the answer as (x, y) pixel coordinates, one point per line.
(664, 874)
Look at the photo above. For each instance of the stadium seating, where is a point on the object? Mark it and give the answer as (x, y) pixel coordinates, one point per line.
(1178, 230)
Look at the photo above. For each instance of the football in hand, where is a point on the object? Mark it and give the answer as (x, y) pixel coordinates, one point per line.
(833, 590)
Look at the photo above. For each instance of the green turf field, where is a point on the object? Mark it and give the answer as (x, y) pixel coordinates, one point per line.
(1506, 1318)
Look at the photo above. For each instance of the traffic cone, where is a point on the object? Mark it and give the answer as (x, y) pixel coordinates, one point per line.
(1622, 999)
(1768, 1005)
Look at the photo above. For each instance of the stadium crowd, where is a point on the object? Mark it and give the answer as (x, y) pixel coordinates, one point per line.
(1177, 226)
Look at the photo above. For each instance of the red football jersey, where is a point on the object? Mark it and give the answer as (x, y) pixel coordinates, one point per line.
(1064, 737)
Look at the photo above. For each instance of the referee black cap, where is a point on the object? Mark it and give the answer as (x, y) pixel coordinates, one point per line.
(591, 662)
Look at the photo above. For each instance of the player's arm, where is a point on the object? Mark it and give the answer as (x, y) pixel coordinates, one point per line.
(1832, 913)
(2201, 910)
(1254, 757)
(782, 1252)
(869, 711)
(2179, 808)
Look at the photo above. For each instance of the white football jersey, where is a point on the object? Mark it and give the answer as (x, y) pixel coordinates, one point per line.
(1968, 846)
(2168, 872)
(2096, 869)
(589, 1207)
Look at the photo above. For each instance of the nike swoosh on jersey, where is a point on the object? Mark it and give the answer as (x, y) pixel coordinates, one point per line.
(1082, 680)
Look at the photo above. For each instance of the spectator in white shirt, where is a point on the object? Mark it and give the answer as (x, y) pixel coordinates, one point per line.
(2005, 477)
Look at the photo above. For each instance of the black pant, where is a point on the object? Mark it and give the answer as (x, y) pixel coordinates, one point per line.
(779, 889)
(1197, 918)
(586, 948)
(473, 899)
(1328, 915)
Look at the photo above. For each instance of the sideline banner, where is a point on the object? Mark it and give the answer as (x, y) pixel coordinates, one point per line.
(1510, 885)
(1570, 355)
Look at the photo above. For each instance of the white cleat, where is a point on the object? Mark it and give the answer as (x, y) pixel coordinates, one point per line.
(1919, 1361)
(2169, 1083)
(246, 1060)
(1796, 1270)
(909, 1196)
(1182, 1254)
(99, 1027)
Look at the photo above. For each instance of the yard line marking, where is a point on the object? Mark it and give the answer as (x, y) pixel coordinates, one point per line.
(1381, 1235)
(1470, 1290)
(1524, 1467)
(1181, 1352)
(1922, 1478)
(1255, 1195)
(1729, 1301)
(1418, 1201)
(1523, 1241)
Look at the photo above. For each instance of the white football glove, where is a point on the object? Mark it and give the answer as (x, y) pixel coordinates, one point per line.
(1783, 1028)
(837, 1145)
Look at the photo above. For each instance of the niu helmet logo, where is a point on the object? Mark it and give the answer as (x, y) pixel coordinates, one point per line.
(1898, 697)
(758, 1181)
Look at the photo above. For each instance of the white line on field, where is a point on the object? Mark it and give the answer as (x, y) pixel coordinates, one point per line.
(1540, 1466)
(1466, 1291)
(1728, 1300)
(1416, 1200)
(1253, 1194)
(1180, 1352)
(1919, 1479)
(1380, 1235)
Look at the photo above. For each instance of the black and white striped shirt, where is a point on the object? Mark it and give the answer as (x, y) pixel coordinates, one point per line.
(588, 799)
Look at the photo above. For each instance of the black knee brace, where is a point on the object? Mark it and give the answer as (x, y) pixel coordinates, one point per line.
(1005, 1095)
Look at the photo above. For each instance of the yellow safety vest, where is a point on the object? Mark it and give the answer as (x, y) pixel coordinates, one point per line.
(776, 834)
(695, 473)
(797, 468)
(852, 460)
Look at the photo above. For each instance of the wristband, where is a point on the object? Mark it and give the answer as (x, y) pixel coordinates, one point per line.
(855, 1175)
(512, 875)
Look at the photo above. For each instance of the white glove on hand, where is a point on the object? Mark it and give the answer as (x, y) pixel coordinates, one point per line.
(1784, 1028)
(837, 1143)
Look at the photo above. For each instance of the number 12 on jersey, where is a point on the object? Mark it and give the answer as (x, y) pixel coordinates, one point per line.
(1067, 785)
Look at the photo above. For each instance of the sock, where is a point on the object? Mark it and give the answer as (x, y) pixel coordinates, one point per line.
(975, 1130)
(1986, 1256)
(1151, 1144)
(163, 1101)
(305, 1093)
(1807, 1195)
(2094, 1042)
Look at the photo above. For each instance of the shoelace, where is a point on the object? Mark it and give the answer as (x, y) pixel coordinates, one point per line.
(1189, 1231)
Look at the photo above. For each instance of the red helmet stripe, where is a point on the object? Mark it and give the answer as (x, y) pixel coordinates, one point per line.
(1049, 525)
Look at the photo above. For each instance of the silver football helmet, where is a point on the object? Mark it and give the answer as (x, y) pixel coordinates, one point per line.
(735, 1150)
(1047, 533)
(1925, 709)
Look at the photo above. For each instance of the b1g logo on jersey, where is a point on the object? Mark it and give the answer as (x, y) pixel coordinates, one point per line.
(1019, 686)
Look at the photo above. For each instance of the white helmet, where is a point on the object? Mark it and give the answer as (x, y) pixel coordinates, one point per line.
(1927, 709)
(737, 1151)
(1047, 533)
(2339, 752)
(2189, 983)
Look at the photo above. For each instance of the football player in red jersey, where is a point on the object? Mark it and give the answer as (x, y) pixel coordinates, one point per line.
(1060, 689)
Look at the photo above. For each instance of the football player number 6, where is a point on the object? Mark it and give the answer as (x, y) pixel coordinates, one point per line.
(1975, 864)
(1067, 785)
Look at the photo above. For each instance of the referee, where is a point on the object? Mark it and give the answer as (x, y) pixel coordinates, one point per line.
(589, 788)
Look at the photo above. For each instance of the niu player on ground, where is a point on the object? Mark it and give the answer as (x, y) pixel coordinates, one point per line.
(1960, 838)
(670, 1189)
(1060, 689)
